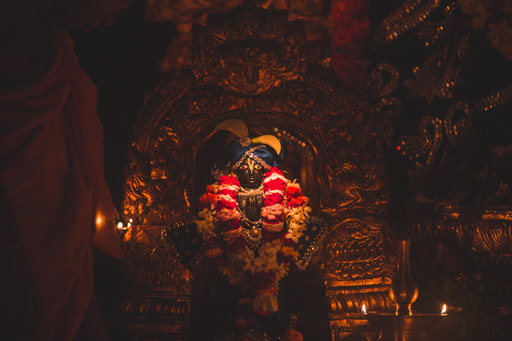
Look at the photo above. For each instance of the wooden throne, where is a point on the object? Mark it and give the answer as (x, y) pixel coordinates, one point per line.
(253, 64)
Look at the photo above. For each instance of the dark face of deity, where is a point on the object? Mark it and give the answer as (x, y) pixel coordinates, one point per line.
(250, 174)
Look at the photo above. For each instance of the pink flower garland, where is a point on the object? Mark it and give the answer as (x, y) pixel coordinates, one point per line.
(228, 216)
(280, 198)
(273, 208)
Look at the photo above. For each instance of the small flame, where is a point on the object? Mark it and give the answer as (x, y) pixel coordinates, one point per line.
(130, 222)
(120, 225)
(363, 309)
(443, 311)
(98, 220)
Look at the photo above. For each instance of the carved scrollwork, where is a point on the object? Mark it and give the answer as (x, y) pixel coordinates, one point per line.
(359, 250)
(184, 14)
(457, 124)
(383, 79)
(148, 306)
(487, 233)
(151, 317)
(251, 64)
(351, 299)
(299, 98)
(252, 53)
(426, 145)
(455, 130)
(491, 236)
(150, 261)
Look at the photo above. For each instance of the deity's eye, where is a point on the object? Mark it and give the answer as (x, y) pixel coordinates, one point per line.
(257, 166)
(244, 167)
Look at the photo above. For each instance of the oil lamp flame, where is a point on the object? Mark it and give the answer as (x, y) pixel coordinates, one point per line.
(443, 311)
(120, 225)
(363, 309)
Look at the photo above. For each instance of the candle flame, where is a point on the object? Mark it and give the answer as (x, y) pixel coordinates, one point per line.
(443, 311)
(119, 225)
(363, 309)
(98, 220)
(131, 220)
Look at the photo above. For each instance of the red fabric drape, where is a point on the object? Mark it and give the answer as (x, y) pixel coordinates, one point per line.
(51, 182)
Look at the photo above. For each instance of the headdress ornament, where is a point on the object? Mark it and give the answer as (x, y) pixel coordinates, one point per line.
(264, 149)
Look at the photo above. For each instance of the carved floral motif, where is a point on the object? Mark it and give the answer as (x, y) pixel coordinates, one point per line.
(252, 64)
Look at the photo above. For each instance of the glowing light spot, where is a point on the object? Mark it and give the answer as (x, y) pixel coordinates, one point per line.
(443, 310)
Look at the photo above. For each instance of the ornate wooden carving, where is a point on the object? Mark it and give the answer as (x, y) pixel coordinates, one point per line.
(253, 64)
(184, 14)
(486, 231)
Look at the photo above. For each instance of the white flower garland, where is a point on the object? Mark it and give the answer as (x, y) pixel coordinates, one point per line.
(241, 262)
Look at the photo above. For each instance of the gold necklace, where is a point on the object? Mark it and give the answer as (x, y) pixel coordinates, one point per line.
(252, 235)
(250, 192)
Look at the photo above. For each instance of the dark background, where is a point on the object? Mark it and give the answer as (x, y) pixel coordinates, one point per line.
(122, 61)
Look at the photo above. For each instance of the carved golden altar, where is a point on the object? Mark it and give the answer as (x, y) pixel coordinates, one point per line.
(253, 64)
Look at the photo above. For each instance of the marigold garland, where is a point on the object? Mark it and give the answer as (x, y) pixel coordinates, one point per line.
(284, 205)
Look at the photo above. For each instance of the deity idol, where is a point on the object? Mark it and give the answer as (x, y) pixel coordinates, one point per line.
(253, 222)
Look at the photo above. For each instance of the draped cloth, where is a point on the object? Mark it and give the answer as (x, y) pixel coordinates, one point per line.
(51, 187)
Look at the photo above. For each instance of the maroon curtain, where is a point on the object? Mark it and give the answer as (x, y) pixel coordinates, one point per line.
(51, 187)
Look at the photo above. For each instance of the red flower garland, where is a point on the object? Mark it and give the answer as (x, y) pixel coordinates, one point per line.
(229, 248)
(227, 209)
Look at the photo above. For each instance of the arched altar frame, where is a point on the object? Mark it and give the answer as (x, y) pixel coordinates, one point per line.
(252, 64)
